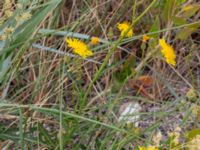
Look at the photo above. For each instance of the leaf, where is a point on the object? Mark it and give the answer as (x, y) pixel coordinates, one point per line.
(145, 80)
(179, 2)
(189, 10)
(140, 89)
(192, 134)
(184, 33)
(4, 66)
(155, 27)
(178, 21)
(168, 9)
(45, 136)
(22, 34)
(116, 85)
(126, 68)
(131, 61)
(26, 31)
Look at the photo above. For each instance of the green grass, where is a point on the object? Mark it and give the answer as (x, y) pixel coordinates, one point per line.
(52, 98)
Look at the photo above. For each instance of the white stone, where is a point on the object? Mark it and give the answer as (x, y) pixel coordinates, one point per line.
(129, 113)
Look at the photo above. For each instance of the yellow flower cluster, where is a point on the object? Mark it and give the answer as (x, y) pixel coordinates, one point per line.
(168, 52)
(79, 47)
(125, 28)
(148, 148)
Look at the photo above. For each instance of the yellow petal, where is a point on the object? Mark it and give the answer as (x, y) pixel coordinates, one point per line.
(125, 27)
(168, 52)
(79, 47)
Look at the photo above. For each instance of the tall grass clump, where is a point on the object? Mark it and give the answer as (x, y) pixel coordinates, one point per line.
(100, 74)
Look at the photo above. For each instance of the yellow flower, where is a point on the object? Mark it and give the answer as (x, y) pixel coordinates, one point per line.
(79, 47)
(148, 148)
(95, 40)
(124, 27)
(145, 38)
(168, 52)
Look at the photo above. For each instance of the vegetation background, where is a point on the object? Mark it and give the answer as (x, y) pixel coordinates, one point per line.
(51, 98)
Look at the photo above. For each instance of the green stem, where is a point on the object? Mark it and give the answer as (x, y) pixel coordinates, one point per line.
(144, 12)
(98, 73)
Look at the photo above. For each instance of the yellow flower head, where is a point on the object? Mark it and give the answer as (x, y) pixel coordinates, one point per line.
(95, 40)
(79, 47)
(168, 52)
(124, 27)
(145, 38)
(148, 148)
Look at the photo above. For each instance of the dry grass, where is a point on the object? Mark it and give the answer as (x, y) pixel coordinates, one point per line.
(52, 98)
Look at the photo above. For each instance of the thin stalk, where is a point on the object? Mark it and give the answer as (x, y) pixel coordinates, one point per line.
(21, 134)
(60, 112)
(134, 11)
(64, 113)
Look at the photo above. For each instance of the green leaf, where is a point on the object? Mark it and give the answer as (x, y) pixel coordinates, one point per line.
(4, 66)
(189, 10)
(28, 29)
(45, 137)
(22, 34)
(178, 21)
(168, 9)
(21, 132)
(179, 2)
(155, 27)
(126, 69)
(184, 33)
